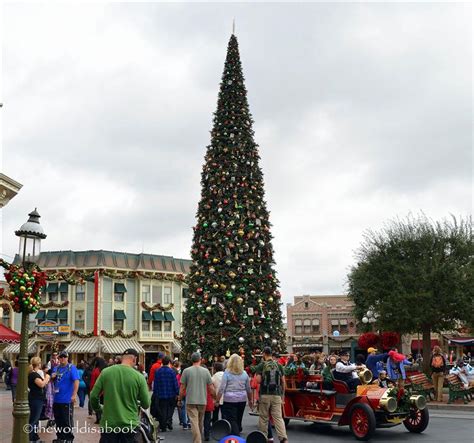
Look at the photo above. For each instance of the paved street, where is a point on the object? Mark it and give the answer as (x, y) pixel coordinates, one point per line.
(444, 426)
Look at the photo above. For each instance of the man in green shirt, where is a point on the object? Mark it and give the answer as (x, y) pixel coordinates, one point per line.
(123, 387)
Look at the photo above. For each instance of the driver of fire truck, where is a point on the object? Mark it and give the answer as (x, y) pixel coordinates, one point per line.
(347, 372)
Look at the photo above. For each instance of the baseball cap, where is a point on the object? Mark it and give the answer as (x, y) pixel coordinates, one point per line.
(130, 351)
(63, 354)
(267, 350)
(370, 350)
(344, 353)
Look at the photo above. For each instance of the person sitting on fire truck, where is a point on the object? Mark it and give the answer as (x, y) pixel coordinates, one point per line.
(347, 372)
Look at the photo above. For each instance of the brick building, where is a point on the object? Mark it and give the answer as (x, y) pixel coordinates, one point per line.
(321, 321)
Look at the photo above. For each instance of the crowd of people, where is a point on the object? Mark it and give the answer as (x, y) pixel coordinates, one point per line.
(202, 392)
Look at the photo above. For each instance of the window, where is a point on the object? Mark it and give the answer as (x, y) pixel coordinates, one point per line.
(316, 326)
(79, 320)
(63, 291)
(334, 325)
(167, 326)
(156, 294)
(64, 296)
(156, 325)
(53, 296)
(80, 292)
(118, 324)
(32, 325)
(119, 297)
(146, 293)
(145, 325)
(307, 326)
(306, 305)
(167, 295)
(298, 326)
(343, 329)
(6, 318)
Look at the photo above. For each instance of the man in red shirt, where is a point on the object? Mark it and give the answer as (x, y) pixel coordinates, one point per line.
(157, 365)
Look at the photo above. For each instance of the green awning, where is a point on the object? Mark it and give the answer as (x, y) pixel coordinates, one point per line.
(158, 316)
(62, 314)
(63, 287)
(119, 315)
(169, 316)
(41, 315)
(120, 288)
(52, 314)
(146, 316)
(52, 287)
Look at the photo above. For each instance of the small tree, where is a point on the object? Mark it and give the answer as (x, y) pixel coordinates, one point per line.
(418, 274)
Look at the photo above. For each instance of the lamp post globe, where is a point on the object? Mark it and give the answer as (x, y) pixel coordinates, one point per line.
(30, 233)
(365, 320)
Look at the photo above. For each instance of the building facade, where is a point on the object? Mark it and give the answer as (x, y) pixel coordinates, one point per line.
(324, 322)
(103, 302)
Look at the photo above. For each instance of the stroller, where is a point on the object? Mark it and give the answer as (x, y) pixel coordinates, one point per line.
(148, 429)
(221, 432)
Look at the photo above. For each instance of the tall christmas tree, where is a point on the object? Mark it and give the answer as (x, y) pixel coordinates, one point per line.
(234, 303)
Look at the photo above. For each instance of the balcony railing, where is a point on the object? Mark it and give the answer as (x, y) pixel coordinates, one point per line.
(156, 334)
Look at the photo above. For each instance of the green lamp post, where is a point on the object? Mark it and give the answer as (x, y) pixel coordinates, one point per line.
(31, 233)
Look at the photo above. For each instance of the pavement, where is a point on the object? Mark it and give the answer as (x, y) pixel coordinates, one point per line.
(446, 421)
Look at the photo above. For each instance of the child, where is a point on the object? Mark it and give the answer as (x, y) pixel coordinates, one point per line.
(383, 381)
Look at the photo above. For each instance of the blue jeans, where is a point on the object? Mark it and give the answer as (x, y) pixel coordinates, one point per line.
(36, 406)
(81, 393)
(184, 415)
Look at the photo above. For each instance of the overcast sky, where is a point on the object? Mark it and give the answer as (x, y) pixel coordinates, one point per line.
(363, 112)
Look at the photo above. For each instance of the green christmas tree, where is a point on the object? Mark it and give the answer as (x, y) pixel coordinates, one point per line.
(234, 303)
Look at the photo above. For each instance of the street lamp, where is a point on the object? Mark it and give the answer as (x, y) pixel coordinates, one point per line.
(370, 316)
(31, 233)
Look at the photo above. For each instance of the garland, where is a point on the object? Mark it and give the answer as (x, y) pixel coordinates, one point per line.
(118, 333)
(75, 277)
(53, 304)
(81, 335)
(26, 284)
(157, 307)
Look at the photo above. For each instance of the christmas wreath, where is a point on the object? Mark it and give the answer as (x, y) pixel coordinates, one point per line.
(25, 285)
(367, 340)
(389, 339)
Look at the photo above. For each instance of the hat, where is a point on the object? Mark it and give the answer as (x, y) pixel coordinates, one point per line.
(267, 350)
(370, 350)
(343, 353)
(130, 351)
(63, 354)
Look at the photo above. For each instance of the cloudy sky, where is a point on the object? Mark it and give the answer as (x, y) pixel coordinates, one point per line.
(363, 113)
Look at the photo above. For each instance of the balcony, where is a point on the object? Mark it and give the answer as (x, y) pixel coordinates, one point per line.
(156, 335)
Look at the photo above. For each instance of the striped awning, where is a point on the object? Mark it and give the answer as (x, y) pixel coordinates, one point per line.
(14, 348)
(119, 345)
(176, 347)
(83, 346)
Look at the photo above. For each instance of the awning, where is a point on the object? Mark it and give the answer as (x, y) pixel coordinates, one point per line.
(176, 347)
(343, 322)
(465, 341)
(416, 343)
(169, 316)
(298, 322)
(119, 315)
(83, 346)
(15, 348)
(146, 316)
(334, 322)
(63, 287)
(41, 315)
(120, 288)
(8, 335)
(52, 314)
(52, 287)
(158, 316)
(62, 315)
(316, 322)
(307, 322)
(119, 345)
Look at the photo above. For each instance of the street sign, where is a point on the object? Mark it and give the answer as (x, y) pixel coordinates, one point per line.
(49, 329)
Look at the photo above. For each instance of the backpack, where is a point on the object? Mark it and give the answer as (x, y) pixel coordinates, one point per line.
(86, 376)
(437, 361)
(271, 378)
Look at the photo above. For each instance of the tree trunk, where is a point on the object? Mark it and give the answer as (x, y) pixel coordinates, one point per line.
(426, 348)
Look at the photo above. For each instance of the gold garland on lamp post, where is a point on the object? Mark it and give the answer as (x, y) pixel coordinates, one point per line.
(26, 282)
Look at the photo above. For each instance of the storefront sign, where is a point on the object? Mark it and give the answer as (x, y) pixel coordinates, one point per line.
(49, 329)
